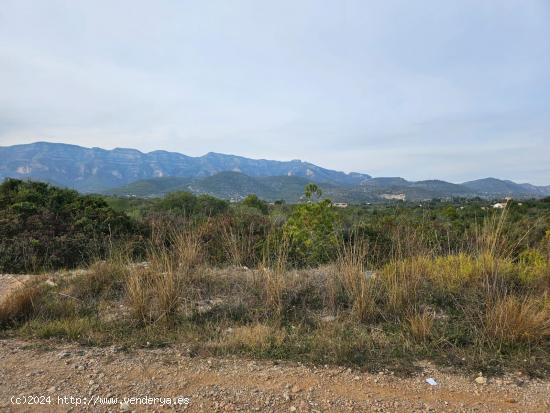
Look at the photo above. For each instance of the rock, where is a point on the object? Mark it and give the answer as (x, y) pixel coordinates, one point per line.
(125, 407)
(51, 389)
(63, 354)
(292, 408)
(481, 380)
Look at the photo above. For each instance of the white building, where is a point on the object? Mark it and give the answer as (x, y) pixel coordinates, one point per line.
(340, 204)
(398, 197)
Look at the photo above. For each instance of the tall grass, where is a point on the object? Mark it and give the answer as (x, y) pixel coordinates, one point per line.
(240, 243)
(513, 320)
(21, 304)
(358, 285)
(273, 271)
(421, 299)
(157, 292)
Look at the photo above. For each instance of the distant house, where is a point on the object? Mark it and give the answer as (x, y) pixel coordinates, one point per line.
(399, 197)
(499, 205)
(340, 204)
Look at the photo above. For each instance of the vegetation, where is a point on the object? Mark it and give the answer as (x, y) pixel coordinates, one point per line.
(456, 282)
(44, 227)
(311, 230)
(252, 201)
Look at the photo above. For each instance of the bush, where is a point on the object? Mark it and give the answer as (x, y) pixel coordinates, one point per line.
(252, 201)
(44, 227)
(188, 205)
(311, 229)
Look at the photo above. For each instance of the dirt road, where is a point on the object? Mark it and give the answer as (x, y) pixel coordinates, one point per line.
(105, 376)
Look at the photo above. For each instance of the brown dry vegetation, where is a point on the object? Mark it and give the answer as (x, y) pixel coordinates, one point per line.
(480, 308)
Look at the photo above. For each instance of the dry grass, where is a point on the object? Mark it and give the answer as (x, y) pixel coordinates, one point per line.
(102, 277)
(513, 320)
(488, 299)
(138, 287)
(421, 325)
(350, 273)
(256, 337)
(239, 243)
(157, 292)
(274, 273)
(187, 249)
(401, 283)
(20, 304)
(489, 237)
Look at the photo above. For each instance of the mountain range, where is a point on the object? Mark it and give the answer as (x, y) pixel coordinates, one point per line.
(129, 172)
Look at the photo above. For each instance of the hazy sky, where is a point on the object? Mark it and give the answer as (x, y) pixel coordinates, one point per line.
(422, 89)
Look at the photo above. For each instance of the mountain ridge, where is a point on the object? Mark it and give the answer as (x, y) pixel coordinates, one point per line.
(96, 169)
(127, 171)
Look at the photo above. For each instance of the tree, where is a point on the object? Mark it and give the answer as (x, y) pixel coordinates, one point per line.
(312, 189)
(187, 204)
(252, 201)
(42, 226)
(311, 230)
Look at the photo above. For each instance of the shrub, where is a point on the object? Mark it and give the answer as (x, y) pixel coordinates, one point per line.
(451, 273)
(252, 201)
(311, 230)
(187, 204)
(44, 227)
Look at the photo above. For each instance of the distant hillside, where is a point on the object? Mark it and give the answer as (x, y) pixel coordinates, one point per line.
(235, 185)
(152, 187)
(227, 185)
(493, 186)
(417, 190)
(129, 172)
(96, 169)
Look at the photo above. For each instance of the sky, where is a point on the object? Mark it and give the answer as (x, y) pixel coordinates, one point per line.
(454, 90)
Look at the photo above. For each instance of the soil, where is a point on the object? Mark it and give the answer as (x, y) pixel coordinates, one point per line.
(51, 370)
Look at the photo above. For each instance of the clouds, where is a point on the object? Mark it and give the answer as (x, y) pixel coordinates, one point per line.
(378, 87)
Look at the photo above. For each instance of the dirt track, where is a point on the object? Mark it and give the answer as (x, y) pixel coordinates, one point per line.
(45, 368)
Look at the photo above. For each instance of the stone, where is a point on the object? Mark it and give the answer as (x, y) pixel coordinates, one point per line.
(481, 380)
